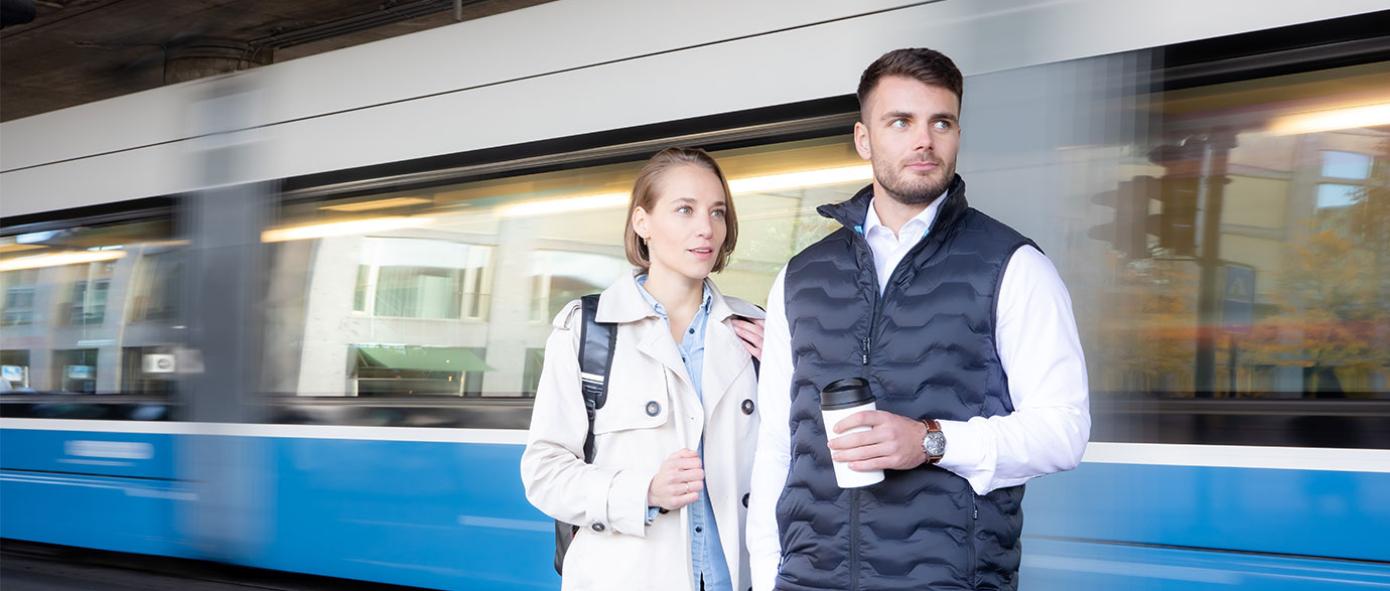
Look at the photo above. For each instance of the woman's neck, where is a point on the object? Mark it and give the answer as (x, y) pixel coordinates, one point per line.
(680, 295)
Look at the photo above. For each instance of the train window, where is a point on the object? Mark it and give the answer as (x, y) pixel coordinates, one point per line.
(68, 296)
(1244, 299)
(450, 291)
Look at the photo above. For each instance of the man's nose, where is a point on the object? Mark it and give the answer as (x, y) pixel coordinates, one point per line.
(923, 139)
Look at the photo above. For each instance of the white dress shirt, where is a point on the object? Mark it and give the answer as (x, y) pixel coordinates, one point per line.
(1041, 354)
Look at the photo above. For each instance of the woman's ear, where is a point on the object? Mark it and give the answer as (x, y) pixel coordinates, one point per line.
(640, 222)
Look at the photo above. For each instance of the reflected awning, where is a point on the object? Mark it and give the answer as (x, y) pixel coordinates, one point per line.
(453, 359)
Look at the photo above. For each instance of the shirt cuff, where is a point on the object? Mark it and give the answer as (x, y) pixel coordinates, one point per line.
(652, 512)
(970, 452)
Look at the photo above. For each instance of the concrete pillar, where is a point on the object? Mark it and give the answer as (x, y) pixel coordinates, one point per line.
(199, 57)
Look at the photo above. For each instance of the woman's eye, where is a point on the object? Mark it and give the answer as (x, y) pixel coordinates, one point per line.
(683, 210)
(718, 213)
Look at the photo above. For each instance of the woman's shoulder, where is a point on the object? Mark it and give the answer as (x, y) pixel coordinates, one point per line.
(744, 308)
(568, 315)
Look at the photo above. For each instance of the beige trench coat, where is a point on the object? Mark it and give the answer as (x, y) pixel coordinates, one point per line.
(615, 549)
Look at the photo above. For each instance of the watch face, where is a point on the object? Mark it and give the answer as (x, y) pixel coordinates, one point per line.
(935, 443)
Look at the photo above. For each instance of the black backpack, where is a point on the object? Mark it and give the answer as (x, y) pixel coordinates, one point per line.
(596, 346)
(596, 341)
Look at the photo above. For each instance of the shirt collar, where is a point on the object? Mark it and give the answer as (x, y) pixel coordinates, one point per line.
(919, 223)
(661, 310)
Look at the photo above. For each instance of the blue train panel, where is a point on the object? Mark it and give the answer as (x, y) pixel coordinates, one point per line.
(454, 515)
(129, 455)
(1060, 565)
(1301, 512)
(440, 515)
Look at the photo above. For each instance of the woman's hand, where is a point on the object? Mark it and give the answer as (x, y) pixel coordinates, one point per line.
(751, 331)
(678, 482)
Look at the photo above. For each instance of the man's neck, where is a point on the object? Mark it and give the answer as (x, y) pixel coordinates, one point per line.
(893, 213)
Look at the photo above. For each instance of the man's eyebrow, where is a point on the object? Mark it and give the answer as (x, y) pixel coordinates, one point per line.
(896, 115)
(946, 116)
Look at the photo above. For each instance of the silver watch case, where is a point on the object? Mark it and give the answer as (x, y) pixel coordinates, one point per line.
(934, 444)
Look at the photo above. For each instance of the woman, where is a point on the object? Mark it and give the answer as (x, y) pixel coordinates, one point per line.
(662, 505)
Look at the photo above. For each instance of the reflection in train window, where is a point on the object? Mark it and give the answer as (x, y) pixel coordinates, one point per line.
(369, 285)
(558, 277)
(535, 359)
(14, 370)
(18, 302)
(1263, 246)
(79, 299)
(148, 370)
(76, 370)
(385, 370)
(158, 287)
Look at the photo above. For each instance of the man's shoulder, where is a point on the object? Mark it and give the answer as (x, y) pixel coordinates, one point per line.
(982, 227)
(833, 244)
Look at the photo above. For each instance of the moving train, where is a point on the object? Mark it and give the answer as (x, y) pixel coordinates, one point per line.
(292, 318)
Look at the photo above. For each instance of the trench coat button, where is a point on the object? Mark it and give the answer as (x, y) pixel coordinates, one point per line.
(745, 500)
(598, 527)
(748, 406)
(653, 408)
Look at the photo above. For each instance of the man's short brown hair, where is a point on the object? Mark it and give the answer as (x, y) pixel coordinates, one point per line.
(924, 65)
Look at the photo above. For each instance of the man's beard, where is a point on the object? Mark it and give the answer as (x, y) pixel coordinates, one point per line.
(922, 192)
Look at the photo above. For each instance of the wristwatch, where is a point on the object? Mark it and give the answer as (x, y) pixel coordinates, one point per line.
(934, 444)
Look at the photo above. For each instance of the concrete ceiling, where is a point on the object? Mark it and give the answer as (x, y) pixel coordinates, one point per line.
(79, 51)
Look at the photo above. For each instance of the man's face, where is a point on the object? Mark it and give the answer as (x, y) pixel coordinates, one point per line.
(910, 133)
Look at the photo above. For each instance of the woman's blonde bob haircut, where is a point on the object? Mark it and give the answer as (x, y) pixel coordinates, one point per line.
(644, 195)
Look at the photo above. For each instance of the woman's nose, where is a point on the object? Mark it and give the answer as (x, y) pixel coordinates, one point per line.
(704, 228)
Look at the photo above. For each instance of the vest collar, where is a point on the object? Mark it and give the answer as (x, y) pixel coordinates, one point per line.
(852, 213)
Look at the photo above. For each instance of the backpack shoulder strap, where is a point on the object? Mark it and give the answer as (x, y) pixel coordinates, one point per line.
(596, 345)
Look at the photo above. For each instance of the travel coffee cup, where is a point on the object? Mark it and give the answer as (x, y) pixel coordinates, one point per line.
(838, 401)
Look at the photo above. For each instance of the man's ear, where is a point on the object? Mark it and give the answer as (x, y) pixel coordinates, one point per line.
(861, 141)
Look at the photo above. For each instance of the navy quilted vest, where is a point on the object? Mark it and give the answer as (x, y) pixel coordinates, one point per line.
(927, 348)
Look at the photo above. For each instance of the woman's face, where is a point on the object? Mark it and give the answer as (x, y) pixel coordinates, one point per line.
(685, 228)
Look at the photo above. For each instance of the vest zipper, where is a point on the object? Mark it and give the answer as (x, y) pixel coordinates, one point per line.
(854, 539)
(970, 540)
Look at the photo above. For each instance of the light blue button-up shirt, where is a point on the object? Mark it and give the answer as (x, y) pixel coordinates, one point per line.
(706, 553)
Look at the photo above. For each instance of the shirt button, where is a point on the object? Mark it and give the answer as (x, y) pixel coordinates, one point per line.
(699, 529)
(598, 527)
(692, 331)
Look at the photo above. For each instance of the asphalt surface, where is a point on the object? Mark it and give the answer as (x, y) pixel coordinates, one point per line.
(26, 566)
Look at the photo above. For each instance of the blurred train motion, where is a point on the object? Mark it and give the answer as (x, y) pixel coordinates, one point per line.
(292, 317)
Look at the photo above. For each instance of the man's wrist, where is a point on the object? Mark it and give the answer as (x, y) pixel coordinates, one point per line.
(933, 441)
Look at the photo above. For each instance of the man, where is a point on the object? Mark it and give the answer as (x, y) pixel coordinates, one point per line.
(965, 333)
